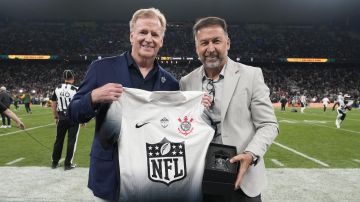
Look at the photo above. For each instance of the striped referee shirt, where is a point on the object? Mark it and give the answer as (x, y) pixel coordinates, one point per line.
(63, 95)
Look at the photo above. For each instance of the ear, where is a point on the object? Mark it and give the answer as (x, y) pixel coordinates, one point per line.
(161, 42)
(131, 38)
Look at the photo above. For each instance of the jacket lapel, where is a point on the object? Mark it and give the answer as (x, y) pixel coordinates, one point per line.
(196, 83)
(231, 78)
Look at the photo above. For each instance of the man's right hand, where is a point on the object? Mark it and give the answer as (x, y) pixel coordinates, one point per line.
(107, 93)
(20, 125)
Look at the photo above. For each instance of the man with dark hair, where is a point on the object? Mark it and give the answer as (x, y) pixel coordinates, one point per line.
(103, 84)
(60, 100)
(239, 107)
(6, 99)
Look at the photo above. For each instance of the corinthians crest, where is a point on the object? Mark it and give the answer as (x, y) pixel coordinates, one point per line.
(166, 161)
(185, 125)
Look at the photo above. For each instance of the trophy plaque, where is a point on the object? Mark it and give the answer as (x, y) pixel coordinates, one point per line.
(219, 175)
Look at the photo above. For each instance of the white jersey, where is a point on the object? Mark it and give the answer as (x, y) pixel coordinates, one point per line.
(344, 106)
(162, 145)
(325, 101)
(340, 98)
(303, 99)
(63, 95)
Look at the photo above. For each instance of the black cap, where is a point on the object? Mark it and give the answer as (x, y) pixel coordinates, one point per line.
(68, 74)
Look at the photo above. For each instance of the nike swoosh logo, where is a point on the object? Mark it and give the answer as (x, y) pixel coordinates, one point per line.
(141, 125)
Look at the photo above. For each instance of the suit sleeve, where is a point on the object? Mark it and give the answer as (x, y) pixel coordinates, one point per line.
(263, 117)
(80, 108)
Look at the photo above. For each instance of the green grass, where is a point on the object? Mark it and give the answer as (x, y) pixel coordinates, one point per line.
(312, 134)
(19, 144)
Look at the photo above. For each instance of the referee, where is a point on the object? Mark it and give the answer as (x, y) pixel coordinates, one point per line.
(60, 101)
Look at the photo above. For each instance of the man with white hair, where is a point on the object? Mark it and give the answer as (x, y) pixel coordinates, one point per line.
(6, 99)
(103, 84)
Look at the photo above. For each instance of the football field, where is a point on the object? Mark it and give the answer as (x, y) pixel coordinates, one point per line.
(308, 140)
(310, 160)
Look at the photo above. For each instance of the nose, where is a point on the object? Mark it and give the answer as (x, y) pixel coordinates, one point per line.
(211, 47)
(148, 37)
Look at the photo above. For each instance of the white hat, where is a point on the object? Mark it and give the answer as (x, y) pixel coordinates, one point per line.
(3, 88)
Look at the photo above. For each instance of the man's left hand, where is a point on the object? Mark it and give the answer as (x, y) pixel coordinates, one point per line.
(206, 100)
(245, 160)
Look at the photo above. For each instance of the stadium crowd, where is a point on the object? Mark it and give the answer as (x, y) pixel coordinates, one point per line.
(259, 44)
(257, 41)
(287, 79)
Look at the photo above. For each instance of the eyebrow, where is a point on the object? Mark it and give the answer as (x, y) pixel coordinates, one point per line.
(210, 39)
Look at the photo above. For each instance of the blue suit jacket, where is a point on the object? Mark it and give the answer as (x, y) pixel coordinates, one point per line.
(104, 166)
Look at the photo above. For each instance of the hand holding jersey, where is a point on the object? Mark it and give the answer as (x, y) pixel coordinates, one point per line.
(107, 93)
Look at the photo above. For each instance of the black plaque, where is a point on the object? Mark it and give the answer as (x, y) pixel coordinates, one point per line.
(219, 175)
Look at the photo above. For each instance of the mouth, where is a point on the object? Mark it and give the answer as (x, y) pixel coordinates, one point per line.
(211, 58)
(147, 47)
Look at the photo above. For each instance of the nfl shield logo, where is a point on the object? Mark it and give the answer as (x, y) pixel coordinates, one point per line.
(166, 161)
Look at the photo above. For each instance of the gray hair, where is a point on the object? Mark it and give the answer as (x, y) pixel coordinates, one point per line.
(148, 13)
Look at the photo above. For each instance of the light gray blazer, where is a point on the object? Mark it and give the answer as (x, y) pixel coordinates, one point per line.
(247, 116)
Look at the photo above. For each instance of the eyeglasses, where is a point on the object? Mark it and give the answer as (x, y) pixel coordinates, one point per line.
(211, 90)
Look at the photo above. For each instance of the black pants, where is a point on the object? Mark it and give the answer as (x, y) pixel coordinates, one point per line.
(4, 117)
(236, 196)
(283, 107)
(27, 107)
(63, 126)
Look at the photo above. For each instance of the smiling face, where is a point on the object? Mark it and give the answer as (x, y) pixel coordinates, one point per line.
(212, 45)
(146, 38)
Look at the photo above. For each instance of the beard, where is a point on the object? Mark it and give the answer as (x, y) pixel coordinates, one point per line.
(214, 62)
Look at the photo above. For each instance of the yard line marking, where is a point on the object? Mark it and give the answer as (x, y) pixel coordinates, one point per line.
(356, 160)
(313, 114)
(351, 131)
(287, 121)
(15, 161)
(315, 121)
(277, 162)
(301, 154)
(19, 131)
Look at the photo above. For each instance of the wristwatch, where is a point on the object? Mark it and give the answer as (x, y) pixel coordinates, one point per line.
(255, 158)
